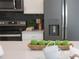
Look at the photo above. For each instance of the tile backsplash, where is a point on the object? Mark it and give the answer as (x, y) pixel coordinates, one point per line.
(21, 16)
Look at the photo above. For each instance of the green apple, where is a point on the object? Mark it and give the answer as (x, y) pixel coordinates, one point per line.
(41, 42)
(57, 42)
(34, 42)
(65, 42)
(46, 42)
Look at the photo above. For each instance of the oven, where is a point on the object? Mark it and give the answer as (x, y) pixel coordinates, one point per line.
(11, 30)
(10, 35)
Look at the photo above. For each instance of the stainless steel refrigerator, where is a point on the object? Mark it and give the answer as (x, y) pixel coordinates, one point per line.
(61, 19)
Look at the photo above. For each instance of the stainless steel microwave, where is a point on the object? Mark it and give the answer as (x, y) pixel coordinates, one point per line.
(11, 5)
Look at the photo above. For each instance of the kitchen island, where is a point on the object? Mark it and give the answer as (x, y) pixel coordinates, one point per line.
(19, 50)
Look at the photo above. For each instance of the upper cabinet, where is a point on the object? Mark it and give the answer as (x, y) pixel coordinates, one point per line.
(11, 5)
(33, 6)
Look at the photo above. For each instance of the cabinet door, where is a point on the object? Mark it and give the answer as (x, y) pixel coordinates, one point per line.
(33, 6)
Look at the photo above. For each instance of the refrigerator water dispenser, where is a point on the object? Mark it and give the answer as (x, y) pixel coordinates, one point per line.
(53, 30)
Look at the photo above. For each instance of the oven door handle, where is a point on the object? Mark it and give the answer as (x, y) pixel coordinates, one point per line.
(10, 35)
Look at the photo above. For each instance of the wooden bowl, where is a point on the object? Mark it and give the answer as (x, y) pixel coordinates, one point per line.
(64, 47)
(36, 47)
(40, 47)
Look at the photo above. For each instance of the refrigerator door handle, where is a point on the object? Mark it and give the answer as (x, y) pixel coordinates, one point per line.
(63, 20)
(66, 20)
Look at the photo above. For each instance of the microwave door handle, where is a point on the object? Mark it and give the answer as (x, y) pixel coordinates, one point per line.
(14, 4)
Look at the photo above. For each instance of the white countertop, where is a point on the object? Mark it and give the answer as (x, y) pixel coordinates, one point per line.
(19, 50)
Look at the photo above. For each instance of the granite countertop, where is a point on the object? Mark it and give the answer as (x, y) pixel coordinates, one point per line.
(19, 50)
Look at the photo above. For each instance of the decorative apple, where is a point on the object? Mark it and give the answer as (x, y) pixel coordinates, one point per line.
(34, 42)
